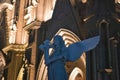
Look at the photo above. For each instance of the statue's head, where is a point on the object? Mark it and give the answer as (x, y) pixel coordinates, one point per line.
(58, 41)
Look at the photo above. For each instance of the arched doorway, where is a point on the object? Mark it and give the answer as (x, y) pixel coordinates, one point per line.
(78, 66)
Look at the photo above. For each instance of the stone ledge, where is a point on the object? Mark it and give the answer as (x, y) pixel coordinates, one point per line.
(15, 47)
(33, 25)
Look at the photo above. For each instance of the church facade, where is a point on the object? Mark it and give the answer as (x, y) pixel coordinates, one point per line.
(25, 24)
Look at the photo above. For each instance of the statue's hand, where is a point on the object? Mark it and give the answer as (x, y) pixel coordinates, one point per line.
(47, 44)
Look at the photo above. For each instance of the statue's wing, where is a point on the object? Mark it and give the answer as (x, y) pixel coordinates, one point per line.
(75, 50)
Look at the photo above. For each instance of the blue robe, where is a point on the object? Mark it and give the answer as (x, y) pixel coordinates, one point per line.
(56, 68)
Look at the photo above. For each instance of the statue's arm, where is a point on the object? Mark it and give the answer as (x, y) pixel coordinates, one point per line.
(45, 48)
(46, 51)
(50, 60)
(63, 56)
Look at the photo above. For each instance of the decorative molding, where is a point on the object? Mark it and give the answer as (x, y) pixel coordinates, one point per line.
(75, 72)
(15, 47)
(107, 70)
(5, 5)
(88, 18)
(116, 17)
(2, 65)
(103, 21)
(30, 14)
(21, 73)
(34, 3)
(33, 25)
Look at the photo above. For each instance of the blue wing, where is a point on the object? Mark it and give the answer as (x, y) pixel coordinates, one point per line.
(75, 50)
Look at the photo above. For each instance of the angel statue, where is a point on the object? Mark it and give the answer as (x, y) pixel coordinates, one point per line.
(61, 54)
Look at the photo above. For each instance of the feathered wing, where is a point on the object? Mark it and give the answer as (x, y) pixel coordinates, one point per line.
(75, 50)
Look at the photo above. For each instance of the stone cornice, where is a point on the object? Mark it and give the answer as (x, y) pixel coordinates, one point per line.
(15, 47)
(33, 25)
(5, 5)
